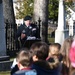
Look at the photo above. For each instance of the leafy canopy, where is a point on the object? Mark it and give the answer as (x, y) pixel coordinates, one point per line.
(25, 7)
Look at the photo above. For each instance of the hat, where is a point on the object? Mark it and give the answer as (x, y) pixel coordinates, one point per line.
(27, 18)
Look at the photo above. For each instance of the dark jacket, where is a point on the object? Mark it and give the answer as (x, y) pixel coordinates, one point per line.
(43, 68)
(32, 30)
(14, 69)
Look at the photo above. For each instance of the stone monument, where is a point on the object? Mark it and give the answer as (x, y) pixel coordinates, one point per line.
(5, 63)
(61, 33)
(2, 32)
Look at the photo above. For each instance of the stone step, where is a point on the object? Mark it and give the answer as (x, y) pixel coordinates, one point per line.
(4, 58)
(5, 65)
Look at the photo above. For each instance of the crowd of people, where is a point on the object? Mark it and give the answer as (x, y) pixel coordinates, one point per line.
(42, 58)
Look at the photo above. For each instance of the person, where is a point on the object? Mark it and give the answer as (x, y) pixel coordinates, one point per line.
(23, 63)
(39, 53)
(27, 31)
(36, 47)
(54, 51)
(72, 58)
(65, 48)
(54, 56)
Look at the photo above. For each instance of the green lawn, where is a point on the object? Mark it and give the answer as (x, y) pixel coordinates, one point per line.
(51, 40)
(5, 73)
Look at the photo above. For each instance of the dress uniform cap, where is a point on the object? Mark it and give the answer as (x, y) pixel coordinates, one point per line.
(27, 18)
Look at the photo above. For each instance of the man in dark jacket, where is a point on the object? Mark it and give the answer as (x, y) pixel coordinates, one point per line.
(27, 31)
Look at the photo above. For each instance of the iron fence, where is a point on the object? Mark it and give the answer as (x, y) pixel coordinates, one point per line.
(11, 43)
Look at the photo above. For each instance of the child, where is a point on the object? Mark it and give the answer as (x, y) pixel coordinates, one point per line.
(39, 52)
(39, 48)
(55, 57)
(54, 49)
(23, 63)
(54, 53)
(65, 49)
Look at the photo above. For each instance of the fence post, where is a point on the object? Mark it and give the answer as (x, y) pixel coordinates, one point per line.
(39, 21)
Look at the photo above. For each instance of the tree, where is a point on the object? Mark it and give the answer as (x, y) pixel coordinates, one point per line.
(41, 11)
(53, 10)
(25, 7)
(8, 11)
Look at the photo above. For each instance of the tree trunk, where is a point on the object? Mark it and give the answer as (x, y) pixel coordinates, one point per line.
(41, 11)
(9, 19)
(8, 11)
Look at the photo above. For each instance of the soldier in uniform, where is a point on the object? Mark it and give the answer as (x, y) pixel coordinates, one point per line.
(27, 31)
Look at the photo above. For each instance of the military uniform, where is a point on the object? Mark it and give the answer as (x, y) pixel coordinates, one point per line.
(30, 31)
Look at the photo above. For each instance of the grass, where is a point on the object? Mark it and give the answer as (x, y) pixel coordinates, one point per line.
(51, 40)
(5, 73)
(11, 59)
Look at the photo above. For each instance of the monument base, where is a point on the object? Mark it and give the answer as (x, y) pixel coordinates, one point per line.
(5, 63)
(60, 35)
